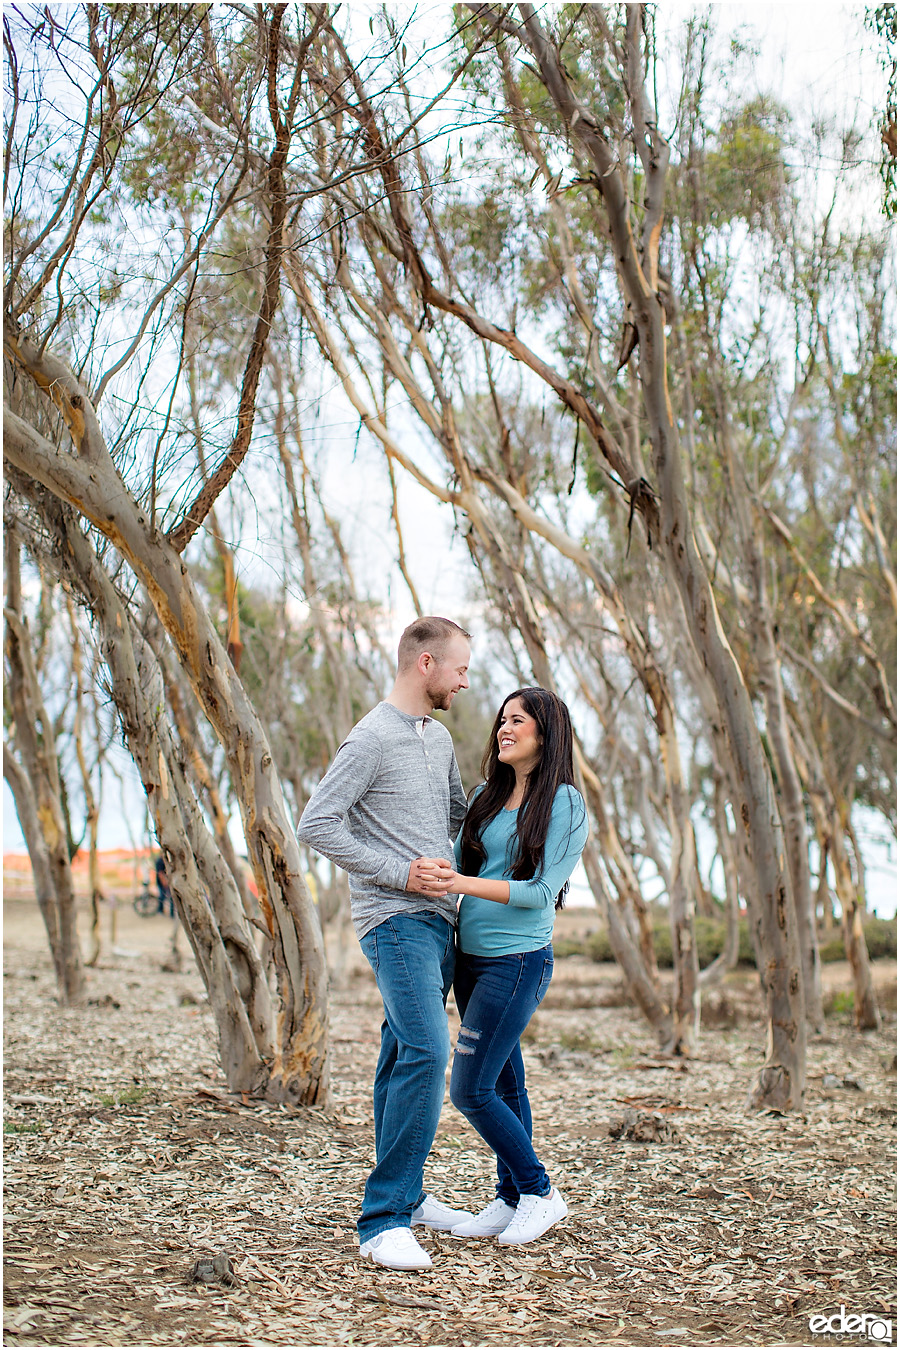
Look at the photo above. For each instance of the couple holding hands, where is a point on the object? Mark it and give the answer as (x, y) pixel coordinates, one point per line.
(476, 916)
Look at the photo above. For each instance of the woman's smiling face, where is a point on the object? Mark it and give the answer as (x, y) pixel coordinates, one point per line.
(518, 739)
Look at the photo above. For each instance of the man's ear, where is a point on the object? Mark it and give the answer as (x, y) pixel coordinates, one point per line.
(425, 661)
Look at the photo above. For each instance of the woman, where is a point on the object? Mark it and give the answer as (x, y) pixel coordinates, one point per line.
(523, 834)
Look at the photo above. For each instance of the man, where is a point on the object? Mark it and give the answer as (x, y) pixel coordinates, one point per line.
(387, 811)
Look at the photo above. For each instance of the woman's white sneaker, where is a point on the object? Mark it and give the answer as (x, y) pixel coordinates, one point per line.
(432, 1214)
(396, 1248)
(492, 1220)
(534, 1215)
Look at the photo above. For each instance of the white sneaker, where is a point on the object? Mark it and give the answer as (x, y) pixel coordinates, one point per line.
(396, 1248)
(432, 1214)
(492, 1219)
(534, 1215)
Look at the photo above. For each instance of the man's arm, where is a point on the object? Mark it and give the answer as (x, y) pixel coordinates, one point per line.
(323, 825)
(458, 804)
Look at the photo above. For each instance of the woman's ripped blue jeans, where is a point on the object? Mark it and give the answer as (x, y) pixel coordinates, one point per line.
(496, 997)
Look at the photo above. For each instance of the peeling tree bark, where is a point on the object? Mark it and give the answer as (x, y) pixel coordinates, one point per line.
(205, 896)
(88, 480)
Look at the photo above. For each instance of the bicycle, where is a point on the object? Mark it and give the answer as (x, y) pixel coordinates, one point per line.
(147, 903)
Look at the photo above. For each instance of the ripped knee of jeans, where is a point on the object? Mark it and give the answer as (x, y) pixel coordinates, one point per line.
(464, 1039)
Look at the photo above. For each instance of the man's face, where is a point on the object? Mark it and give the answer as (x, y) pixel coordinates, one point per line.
(447, 675)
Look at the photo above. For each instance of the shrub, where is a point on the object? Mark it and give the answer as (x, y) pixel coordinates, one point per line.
(563, 947)
(881, 940)
(710, 934)
(598, 948)
(832, 949)
(881, 937)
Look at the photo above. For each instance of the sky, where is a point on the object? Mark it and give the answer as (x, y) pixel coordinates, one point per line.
(817, 59)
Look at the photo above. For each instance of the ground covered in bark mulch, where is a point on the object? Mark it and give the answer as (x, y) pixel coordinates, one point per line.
(127, 1161)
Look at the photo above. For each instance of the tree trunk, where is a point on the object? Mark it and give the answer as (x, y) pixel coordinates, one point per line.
(41, 870)
(782, 1080)
(830, 812)
(686, 992)
(89, 481)
(199, 771)
(205, 897)
(823, 890)
(792, 809)
(634, 972)
(32, 733)
(92, 806)
(728, 957)
(865, 1005)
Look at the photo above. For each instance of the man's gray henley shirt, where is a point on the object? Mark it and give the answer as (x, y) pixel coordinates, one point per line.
(390, 796)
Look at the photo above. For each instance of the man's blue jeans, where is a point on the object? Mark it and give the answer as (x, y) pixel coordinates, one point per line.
(412, 956)
(496, 997)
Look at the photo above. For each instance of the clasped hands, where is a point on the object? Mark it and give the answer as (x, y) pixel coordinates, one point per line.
(434, 876)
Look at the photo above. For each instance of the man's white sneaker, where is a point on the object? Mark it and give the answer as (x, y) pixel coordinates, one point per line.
(492, 1219)
(396, 1248)
(432, 1214)
(534, 1215)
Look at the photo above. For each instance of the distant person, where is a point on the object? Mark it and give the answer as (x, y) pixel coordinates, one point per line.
(163, 889)
(522, 837)
(387, 811)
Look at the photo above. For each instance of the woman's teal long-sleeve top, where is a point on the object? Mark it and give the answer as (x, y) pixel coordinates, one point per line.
(525, 924)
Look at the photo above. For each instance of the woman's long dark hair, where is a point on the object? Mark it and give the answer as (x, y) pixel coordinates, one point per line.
(554, 768)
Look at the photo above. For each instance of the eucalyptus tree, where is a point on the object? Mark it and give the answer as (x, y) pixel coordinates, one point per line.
(784, 468)
(552, 270)
(102, 159)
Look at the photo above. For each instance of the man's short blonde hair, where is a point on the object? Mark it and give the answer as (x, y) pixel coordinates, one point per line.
(430, 634)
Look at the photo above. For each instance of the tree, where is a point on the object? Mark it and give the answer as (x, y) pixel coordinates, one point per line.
(53, 435)
(426, 281)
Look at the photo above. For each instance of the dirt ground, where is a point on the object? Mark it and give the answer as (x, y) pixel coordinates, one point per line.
(126, 1160)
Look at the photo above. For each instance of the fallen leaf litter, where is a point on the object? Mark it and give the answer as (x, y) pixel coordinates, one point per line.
(129, 1167)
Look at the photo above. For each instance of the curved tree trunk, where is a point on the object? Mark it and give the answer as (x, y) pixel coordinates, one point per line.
(205, 896)
(782, 1080)
(199, 772)
(634, 972)
(88, 480)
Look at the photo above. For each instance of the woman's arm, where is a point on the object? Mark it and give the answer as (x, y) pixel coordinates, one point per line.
(481, 887)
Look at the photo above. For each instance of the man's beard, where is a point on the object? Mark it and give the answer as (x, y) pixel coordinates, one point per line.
(440, 697)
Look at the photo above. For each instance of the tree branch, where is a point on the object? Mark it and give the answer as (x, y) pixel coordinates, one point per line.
(180, 535)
